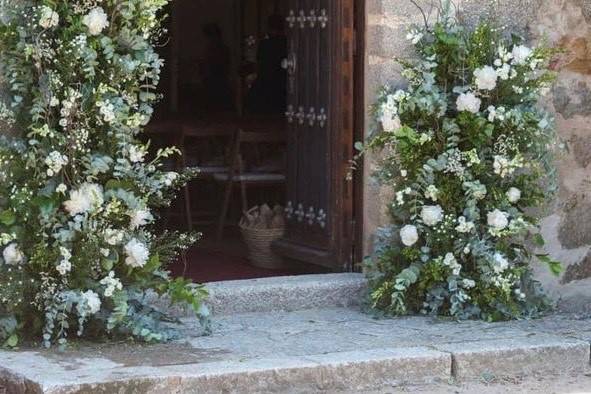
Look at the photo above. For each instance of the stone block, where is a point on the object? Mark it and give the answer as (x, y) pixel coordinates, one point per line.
(536, 354)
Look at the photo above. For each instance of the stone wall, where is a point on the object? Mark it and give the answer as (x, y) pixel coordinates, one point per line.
(566, 23)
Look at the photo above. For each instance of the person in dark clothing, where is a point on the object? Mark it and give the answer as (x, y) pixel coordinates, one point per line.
(215, 70)
(268, 94)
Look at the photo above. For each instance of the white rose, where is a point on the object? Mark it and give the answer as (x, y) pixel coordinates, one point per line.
(92, 301)
(140, 218)
(497, 219)
(390, 123)
(486, 78)
(137, 253)
(500, 263)
(409, 235)
(513, 195)
(49, 18)
(13, 255)
(468, 102)
(88, 197)
(521, 53)
(96, 21)
(432, 214)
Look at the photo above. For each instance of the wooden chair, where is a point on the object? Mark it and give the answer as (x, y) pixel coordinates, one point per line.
(203, 133)
(237, 173)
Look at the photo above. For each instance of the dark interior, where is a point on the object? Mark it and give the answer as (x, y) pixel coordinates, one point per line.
(223, 105)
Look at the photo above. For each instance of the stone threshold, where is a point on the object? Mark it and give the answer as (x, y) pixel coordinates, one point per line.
(285, 293)
(314, 350)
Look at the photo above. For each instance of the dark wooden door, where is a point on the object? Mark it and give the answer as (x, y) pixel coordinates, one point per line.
(320, 119)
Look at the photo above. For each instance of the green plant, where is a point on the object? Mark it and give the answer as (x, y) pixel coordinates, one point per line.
(467, 151)
(77, 192)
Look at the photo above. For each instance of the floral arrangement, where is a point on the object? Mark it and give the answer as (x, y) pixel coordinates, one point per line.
(78, 193)
(467, 150)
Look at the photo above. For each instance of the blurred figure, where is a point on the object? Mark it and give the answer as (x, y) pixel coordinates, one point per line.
(215, 70)
(269, 92)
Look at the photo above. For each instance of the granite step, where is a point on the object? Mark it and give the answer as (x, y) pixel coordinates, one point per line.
(286, 293)
(308, 351)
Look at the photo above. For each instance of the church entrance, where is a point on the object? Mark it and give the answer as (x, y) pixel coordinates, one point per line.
(261, 97)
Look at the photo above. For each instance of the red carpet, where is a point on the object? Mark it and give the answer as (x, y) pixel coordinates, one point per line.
(205, 265)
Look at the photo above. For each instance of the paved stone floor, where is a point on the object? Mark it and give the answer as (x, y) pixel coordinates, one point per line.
(309, 351)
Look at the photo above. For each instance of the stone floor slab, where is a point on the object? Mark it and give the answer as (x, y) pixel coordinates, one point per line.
(521, 356)
(305, 351)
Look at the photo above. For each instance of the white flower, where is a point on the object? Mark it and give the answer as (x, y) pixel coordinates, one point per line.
(432, 214)
(468, 102)
(464, 226)
(61, 188)
(504, 72)
(107, 110)
(111, 284)
(451, 262)
(432, 192)
(414, 36)
(497, 219)
(13, 255)
(390, 123)
(468, 283)
(400, 198)
(521, 54)
(503, 166)
(500, 263)
(96, 21)
(113, 237)
(137, 253)
(513, 195)
(486, 78)
(170, 177)
(55, 161)
(49, 18)
(92, 301)
(136, 154)
(140, 218)
(403, 173)
(88, 197)
(400, 95)
(65, 265)
(409, 235)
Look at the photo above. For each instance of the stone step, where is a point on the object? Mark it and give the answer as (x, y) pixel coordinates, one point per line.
(286, 293)
(327, 350)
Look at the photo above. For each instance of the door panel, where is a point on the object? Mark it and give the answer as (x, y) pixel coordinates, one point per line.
(319, 203)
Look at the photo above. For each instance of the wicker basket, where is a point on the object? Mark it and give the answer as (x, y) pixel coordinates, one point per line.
(258, 242)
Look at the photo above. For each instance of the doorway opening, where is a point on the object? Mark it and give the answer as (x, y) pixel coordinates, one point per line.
(246, 98)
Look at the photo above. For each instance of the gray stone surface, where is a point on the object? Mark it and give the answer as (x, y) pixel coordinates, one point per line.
(517, 357)
(286, 293)
(318, 350)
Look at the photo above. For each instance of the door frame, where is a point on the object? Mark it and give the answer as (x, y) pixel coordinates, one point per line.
(359, 106)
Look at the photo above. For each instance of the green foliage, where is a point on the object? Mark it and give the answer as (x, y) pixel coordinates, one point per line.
(78, 195)
(467, 149)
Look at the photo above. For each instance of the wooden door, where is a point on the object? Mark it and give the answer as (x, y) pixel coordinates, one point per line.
(320, 124)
